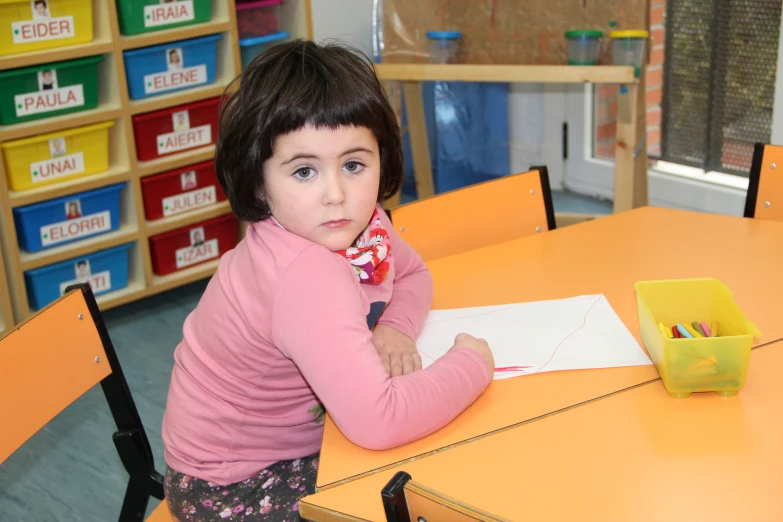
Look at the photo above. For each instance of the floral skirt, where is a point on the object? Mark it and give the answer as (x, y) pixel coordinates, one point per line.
(272, 494)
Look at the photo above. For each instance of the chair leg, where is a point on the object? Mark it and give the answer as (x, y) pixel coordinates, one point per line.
(134, 506)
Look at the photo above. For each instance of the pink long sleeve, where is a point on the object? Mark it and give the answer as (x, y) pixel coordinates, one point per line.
(412, 292)
(319, 322)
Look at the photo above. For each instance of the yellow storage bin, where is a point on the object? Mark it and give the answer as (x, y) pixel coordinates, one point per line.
(32, 25)
(57, 156)
(718, 364)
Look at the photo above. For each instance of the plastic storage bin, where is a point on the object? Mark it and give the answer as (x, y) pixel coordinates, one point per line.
(258, 18)
(718, 364)
(57, 156)
(28, 27)
(51, 89)
(171, 67)
(249, 48)
(443, 46)
(181, 190)
(105, 271)
(67, 219)
(193, 245)
(143, 16)
(583, 45)
(175, 129)
(628, 48)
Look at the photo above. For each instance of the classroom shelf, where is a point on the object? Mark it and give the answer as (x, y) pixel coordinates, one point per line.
(6, 312)
(187, 218)
(145, 168)
(182, 277)
(116, 174)
(115, 105)
(180, 33)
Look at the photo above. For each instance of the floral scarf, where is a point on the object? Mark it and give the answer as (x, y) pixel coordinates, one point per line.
(370, 254)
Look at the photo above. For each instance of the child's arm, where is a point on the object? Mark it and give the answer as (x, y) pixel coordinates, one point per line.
(412, 293)
(319, 322)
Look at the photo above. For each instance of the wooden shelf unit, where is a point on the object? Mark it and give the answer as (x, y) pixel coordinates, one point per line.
(6, 312)
(115, 105)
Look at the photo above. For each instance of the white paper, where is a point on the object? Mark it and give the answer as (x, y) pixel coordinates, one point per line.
(543, 336)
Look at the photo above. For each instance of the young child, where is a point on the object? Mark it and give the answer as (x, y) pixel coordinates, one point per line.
(317, 308)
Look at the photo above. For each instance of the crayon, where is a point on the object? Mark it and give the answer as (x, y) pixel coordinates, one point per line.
(684, 332)
(705, 329)
(697, 327)
(665, 331)
(694, 333)
(676, 332)
(714, 329)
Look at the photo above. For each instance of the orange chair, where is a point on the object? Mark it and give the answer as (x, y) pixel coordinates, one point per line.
(476, 216)
(51, 360)
(765, 190)
(407, 501)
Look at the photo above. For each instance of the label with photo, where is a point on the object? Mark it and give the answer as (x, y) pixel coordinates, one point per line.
(75, 228)
(59, 167)
(189, 201)
(196, 254)
(168, 13)
(183, 140)
(175, 79)
(49, 100)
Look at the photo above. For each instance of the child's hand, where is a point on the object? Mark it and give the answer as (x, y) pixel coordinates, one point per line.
(397, 350)
(479, 346)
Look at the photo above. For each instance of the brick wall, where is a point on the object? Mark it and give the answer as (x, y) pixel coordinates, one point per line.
(606, 95)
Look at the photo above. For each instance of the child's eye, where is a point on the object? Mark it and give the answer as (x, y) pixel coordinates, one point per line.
(353, 167)
(304, 173)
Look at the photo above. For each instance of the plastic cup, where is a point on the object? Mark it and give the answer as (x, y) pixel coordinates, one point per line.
(628, 48)
(443, 46)
(583, 46)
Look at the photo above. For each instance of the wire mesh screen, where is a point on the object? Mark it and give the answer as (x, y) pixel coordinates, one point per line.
(720, 63)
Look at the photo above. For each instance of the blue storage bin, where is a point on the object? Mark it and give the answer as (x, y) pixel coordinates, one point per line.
(249, 48)
(67, 219)
(171, 67)
(106, 271)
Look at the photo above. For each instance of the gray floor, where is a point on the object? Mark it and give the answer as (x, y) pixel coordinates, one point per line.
(69, 471)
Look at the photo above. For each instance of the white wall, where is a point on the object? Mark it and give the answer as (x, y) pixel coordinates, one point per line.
(346, 20)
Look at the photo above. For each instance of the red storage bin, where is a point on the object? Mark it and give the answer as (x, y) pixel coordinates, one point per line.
(194, 244)
(176, 129)
(181, 190)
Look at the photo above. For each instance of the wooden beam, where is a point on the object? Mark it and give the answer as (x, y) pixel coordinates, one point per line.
(420, 149)
(507, 73)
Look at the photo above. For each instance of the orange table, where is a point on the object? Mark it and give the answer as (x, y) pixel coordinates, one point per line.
(638, 455)
(608, 256)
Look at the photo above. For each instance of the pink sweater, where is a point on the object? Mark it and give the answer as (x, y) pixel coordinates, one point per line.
(283, 328)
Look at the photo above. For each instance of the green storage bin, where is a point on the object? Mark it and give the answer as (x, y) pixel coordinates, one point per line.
(144, 16)
(30, 93)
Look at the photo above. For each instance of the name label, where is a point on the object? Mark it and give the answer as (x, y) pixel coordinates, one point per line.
(196, 254)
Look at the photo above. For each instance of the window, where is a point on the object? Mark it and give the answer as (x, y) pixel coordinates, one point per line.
(710, 83)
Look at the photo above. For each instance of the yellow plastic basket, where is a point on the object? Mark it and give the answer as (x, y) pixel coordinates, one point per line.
(718, 364)
(73, 153)
(64, 22)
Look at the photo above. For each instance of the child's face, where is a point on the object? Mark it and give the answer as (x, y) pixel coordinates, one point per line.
(40, 8)
(322, 184)
(47, 77)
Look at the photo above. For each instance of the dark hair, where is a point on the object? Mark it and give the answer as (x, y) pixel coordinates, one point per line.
(286, 87)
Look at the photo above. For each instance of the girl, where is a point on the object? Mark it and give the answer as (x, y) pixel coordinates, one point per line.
(317, 308)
